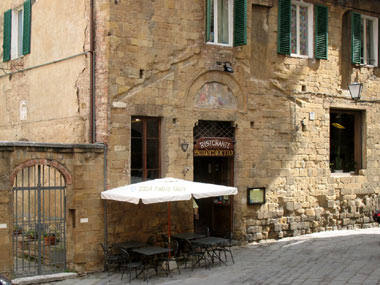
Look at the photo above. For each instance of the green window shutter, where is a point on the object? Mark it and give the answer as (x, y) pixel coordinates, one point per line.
(378, 43)
(356, 42)
(7, 35)
(284, 21)
(26, 31)
(208, 19)
(240, 22)
(321, 31)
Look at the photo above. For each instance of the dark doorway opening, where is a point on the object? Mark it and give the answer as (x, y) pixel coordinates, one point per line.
(216, 212)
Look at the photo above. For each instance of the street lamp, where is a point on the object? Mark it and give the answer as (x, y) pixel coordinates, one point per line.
(355, 90)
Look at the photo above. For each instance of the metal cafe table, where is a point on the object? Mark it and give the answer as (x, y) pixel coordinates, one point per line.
(188, 236)
(149, 253)
(182, 237)
(210, 244)
(130, 244)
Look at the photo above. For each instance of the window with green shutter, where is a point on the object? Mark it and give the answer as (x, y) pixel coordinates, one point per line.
(208, 19)
(356, 43)
(7, 32)
(240, 22)
(321, 32)
(226, 22)
(17, 30)
(284, 21)
(26, 28)
(364, 39)
(295, 28)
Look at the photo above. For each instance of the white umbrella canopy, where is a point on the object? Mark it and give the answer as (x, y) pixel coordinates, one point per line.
(166, 190)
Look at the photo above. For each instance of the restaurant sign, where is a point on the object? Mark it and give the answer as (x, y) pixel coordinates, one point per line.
(214, 147)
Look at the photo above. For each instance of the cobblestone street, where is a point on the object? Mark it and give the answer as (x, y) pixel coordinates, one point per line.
(338, 257)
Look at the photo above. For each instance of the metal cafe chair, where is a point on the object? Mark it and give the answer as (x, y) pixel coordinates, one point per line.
(174, 246)
(110, 258)
(196, 254)
(226, 247)
(201, 229)
(164, 238)
(128, 264)
(151, 240)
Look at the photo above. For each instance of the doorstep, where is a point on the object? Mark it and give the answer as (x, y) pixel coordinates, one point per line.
(44, 278)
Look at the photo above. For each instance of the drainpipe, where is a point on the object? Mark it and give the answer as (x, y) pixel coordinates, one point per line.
(92, 74)
(105, 201)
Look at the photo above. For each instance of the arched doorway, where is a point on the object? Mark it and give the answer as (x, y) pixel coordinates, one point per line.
(39, 219)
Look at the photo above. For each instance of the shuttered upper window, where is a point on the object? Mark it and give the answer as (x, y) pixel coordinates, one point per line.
(295, 29)
(364, 39)
(226, 22)
(16, 35)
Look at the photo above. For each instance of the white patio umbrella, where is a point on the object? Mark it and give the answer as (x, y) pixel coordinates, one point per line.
(166, 190)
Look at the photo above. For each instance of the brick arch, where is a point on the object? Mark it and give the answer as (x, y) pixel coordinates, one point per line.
(49, 162)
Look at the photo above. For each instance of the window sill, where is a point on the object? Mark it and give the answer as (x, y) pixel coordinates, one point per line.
(216, 44)
(299, 56)
(17, 57)
(366, 66)
(346, 174)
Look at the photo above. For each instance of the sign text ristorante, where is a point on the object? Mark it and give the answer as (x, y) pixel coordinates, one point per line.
(214, 147)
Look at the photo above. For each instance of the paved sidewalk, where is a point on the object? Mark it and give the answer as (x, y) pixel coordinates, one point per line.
(338, 257)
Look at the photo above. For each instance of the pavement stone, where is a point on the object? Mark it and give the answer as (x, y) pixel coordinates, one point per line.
(336, 257)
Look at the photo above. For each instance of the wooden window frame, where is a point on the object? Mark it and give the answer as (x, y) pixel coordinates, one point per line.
(230, 24)
(145, 154)
(375, 43)
(359, 116)
(17, 27)
(310, 14)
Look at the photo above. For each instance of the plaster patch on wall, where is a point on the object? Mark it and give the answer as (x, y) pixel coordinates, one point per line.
(215, 95)
(23, 111)
(119, 105)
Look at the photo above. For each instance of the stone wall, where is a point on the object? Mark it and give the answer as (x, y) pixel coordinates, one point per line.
(83, 169)
(158, 61)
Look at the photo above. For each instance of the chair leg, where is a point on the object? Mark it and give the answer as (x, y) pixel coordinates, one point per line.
(233, 261)
(179, 271)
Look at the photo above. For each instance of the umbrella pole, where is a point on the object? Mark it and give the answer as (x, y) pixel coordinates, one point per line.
(169, 228)
(105, 224)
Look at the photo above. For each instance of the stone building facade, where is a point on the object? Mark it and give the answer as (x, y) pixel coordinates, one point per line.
(176, 96)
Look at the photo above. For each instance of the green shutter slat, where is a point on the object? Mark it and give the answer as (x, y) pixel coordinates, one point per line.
(284, 29)
(240, 22)
(208, 19)
(27, 26)
(321, 32)
(7, 35)
(356, 42)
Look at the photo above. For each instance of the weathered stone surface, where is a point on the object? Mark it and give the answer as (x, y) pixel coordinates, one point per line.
(151, 60)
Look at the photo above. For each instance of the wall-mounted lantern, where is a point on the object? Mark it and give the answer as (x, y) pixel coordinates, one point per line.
(355, 90)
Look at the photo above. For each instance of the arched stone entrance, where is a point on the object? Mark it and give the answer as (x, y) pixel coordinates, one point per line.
(39, 217)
